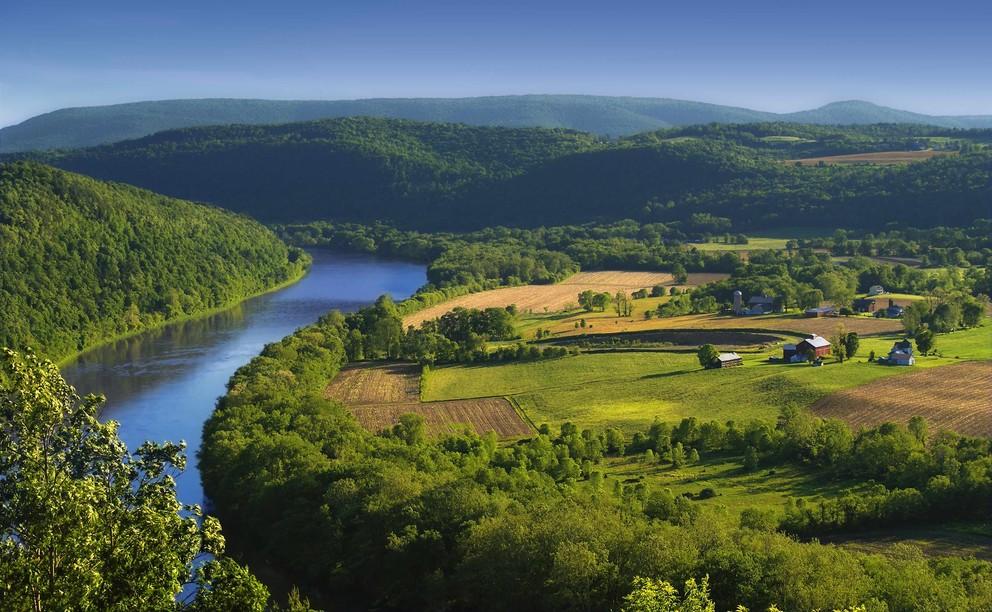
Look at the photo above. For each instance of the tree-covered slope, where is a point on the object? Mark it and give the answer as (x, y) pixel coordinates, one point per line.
(608, 115)
(451, 176)
(82, 260)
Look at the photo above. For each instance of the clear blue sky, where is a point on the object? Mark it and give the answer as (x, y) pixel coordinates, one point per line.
(934, 57)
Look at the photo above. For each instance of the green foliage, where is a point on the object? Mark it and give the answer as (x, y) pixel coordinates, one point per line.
(86, 525)
(925, 341)
(707, 355)
(84, 261)
(399, 522)
(648, 595)
(436, 176)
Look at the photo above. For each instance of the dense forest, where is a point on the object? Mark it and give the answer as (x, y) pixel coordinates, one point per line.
(445, 176)
(83, 261)
(402, 521)
(606, 115)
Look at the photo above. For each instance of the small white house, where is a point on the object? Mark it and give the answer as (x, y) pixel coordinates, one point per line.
(876, 290)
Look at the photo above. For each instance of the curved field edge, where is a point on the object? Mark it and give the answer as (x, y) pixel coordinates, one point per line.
(630, 389)
(956, 397)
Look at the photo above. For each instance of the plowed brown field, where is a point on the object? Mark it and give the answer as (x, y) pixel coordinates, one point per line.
(539, 298)
(379, 394)
(956, 397)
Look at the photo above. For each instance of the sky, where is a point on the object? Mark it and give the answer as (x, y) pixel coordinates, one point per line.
(931, 58)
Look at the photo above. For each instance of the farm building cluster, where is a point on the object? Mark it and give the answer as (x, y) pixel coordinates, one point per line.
(809, 349)
(764, 304)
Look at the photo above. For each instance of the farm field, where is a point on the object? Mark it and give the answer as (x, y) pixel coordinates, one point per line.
(953, 540)
(956, 397)
(753, 244)
(630, 389)
(379, 394)
(550, 298)
(788, 323)
(880, 158)
(765, 489)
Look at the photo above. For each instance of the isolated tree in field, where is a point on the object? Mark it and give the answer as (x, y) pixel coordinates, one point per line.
(649, 456)
(621, 304)
(693, 456)
(924, 340)
(851, 342)
(838, 345)
(679, 274)
(86, 525)
(601, 301)
(586, 300)
(707, 355)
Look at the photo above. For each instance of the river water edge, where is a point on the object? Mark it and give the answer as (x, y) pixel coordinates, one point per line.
(163, 384)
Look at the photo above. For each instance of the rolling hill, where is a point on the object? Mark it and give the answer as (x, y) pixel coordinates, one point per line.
(604, 115)
(84, 261)
(452, 176)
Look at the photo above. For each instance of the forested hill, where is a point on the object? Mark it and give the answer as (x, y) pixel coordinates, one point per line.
(614, 116)
(82, 261)
(450, 176)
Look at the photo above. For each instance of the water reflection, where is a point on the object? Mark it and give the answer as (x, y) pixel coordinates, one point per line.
(162, 384)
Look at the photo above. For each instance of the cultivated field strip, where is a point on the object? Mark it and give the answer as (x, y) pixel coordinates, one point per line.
(956, 397)
(480, 415)
(391, 383)
(379, 394)
(825, 326)
(881, 157)
(539, 298)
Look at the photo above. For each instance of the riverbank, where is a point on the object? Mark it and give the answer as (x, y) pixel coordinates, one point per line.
(61, 362)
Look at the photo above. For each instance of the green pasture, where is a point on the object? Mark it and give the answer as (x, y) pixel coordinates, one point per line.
(631, 389)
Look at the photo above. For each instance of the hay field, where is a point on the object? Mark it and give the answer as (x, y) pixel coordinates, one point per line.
(540, 298)
(379, 394)
(880, 158)
(956, 397)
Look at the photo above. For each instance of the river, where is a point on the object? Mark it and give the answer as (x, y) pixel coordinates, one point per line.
(162, 384)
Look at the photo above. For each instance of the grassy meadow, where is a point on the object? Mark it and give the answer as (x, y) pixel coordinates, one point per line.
(630, 389)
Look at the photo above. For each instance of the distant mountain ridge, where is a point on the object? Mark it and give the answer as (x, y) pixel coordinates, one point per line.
(604, 115)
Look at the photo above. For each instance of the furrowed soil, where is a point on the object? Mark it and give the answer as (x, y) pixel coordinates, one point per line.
(956, 397)
(549, 298)
(379, 394)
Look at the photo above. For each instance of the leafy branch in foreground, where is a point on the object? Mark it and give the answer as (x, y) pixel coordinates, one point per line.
(86, 525)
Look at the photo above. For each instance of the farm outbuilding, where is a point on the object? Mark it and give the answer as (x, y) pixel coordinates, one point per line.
(876, 290)
(820, 311)
(729, 360)
(901, 354)
(865, 305)
(756, 305)
(817, 345)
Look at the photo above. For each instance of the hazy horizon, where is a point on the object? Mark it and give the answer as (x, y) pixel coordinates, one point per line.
(922, 59)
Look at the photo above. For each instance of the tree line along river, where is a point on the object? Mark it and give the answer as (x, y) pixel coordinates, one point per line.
(163, 384)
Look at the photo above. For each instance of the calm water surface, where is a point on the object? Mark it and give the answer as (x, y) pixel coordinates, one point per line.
(162, 385)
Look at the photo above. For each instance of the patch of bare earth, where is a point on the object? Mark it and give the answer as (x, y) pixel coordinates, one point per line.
(956, 397)
(550, 298)
(378, 394)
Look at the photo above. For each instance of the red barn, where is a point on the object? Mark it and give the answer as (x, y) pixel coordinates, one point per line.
(819, 346)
